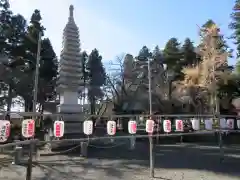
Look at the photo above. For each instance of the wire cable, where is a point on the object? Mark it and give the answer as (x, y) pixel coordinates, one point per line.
(36, 141)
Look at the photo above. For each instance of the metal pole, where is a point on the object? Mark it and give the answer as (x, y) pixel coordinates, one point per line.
(35, 93)
(150, 87)
(150, 112)
(37, 72)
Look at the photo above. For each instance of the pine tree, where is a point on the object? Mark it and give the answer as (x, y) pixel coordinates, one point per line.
(47, 68)
(189, 55)
(31, 42)
(48, 72)
(144, 54)
(84, 59)
(5, 23)
(5, 16)
(12, 33)
(97, 78)
(157, 54)
(235, 25)
(172, 56)
(31, 46)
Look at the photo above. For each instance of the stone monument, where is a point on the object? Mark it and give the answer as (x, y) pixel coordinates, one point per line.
(70, 81)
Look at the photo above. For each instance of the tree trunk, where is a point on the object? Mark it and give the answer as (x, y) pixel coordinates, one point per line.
(9, 98)
(92, 105)
(28, 105)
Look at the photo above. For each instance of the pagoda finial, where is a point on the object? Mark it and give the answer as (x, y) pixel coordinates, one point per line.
(71, 8)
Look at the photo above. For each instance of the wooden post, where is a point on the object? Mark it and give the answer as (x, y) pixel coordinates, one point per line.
(221, 147)
(30, 162)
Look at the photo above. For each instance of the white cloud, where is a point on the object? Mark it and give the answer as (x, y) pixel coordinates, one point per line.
(95, 31)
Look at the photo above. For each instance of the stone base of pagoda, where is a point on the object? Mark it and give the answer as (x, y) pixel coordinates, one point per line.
(73, 117)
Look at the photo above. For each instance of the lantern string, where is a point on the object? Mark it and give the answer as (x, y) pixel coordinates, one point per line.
(108, 147)
(115, 137)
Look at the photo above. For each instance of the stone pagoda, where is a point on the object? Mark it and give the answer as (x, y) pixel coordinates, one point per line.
(70, 81)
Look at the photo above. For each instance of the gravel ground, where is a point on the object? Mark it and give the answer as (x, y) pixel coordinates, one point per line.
(172, 162)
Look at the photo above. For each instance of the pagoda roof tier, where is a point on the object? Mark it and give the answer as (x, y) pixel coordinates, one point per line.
(70, 66)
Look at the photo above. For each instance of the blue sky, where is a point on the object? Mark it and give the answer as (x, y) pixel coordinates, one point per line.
(124, 26)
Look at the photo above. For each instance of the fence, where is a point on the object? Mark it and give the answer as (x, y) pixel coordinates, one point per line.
(162, 126)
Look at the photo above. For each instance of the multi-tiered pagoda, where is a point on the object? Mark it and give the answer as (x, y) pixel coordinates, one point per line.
(70, 81)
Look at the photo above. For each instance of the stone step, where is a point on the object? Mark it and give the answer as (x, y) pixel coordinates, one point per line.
(73, 127)
(72, 118)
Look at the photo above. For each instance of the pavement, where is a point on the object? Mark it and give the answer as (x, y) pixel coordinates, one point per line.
(172, 162)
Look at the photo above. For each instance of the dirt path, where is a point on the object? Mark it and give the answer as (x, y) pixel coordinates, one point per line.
(173, 162)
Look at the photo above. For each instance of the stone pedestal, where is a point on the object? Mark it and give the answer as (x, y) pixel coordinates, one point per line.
(84, 149)
(73, 118)
(132, 142)
(18, 154)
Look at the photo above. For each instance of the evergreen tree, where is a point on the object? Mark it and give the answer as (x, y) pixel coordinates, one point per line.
(31, 42)
(5, 15)
(144, 54)
(235, 25)
(84, 59)
(157, 54)
(189, 54)
(48, 72)
(12, 32)
(172, 56)
(48, 67)
(237, 68)
(31, 46)
(97, 78)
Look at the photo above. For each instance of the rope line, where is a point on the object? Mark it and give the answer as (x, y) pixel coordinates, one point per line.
(36, 141)
(108, 147)
(61, 152)
(77, 146)
(112, 116)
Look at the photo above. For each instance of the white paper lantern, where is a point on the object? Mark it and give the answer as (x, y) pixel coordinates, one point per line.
(28, 128)
(5, 128)
(150, 126)
(58, 129)
(88, 127)
(223, 123)
(111, 128)
(238, 123)
(195, 124)
(179, 125)
(230, 123)
(132, 127)
(208, 124)
(167, 126)
(236, 103)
